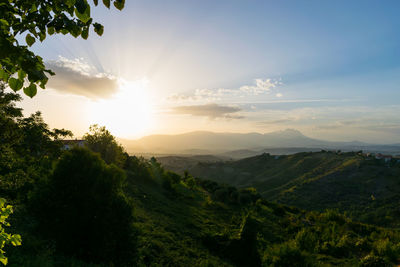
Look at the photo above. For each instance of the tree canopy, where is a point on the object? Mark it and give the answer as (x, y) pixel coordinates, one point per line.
(83, 208)
(24, 142)
(101, 141)
(34, 20)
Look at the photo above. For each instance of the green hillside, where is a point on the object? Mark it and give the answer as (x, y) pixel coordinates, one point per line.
(182, 221)
(367, 188)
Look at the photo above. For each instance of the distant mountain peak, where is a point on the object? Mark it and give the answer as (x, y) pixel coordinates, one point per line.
(287, 133)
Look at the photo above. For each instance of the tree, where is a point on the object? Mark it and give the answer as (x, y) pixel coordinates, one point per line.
(82, 207)
(37, 19)
(27, 147)
(101, 141)
(5, 238)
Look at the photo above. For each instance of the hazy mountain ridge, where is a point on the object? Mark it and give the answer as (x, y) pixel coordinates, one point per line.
(240, 145)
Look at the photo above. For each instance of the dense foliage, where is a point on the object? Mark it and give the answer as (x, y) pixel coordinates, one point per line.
(82, 207)
(101, 141)
(27, 148)
(34, 20)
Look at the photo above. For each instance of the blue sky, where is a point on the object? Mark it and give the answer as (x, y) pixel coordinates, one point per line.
(329, 68)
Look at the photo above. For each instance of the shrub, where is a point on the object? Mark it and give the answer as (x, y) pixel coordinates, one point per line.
(306, 240)
(372, 260)
(285, 254)
(386, 249)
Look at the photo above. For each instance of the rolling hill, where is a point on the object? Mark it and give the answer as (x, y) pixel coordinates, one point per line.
(367, 188)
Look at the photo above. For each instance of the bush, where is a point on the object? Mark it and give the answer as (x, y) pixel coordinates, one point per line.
(306, 240)
(386, 249)
(286, 254)
(372, 260)
(82, 208)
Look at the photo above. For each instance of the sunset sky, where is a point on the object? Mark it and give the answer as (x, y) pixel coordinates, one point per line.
(330, 69)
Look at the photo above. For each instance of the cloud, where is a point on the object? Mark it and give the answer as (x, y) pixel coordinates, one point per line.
(211, 111)
(279, 121)
(79, 78)
(340, 124)
(260, 86)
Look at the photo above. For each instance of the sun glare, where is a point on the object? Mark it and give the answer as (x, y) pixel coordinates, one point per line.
(128, 114)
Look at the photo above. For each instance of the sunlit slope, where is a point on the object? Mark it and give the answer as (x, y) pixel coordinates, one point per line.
(364, 186)
(209, 224)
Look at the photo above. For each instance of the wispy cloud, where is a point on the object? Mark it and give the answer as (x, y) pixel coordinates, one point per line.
(79, 78)
(212, 111)
(260, 86)
(272, 122)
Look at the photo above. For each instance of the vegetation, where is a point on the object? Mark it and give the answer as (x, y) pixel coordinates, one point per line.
(5, 238)
(18, 64)
(101, 141)
(85, 208)
(364, 187)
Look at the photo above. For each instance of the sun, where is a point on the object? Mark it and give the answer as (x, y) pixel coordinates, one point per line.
(128, 114)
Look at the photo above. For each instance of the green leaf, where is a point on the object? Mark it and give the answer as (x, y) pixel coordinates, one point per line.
(3, 75)
(106, 3)
(33, 8)
(3, 259)
(85, 33)
(42, 84)
(16, 240)
(15, 84)
(42, 36)
(98, 28)
(76, 31)
(83, 16)
(21, 75)
(96, 2)
(50, 30)
(3, 21)
(81, 5)
(30, 40)
(119, 4)
(31, 90)
(70, 3)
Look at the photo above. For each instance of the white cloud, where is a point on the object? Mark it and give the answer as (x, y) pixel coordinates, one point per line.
(79, 78)
(259, 87)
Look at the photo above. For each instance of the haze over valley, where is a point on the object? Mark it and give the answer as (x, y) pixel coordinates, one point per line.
(237, 145)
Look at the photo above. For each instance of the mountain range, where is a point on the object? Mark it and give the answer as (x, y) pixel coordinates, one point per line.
(241, 145)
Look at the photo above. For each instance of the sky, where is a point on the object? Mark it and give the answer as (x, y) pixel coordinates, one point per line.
(330, 69)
